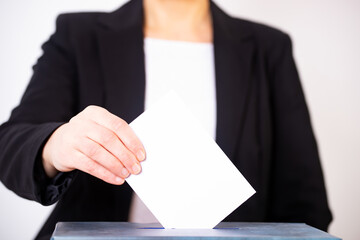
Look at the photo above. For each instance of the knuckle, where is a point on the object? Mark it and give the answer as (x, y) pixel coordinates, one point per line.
(108, 138)
(73, 119)
(87, 110)
(91, 109)
(112, 165)
(134, 144)
(90, 167)
(77, 120)
(118, 124)
(115, 167)
(123, 156)
(126, 158)
(92, 150)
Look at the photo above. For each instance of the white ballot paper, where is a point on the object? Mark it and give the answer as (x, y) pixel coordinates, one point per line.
(186, 181)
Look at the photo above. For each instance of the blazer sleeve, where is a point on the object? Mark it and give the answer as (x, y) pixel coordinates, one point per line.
(48, 102)
(298, 189)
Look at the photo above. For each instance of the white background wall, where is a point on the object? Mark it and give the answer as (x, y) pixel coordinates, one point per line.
(326, 40)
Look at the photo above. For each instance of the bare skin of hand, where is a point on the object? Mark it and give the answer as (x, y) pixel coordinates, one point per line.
(96, 142)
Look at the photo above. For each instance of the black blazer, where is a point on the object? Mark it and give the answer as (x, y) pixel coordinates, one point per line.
(263, 123)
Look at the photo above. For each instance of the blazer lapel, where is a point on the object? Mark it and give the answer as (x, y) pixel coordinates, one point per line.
(120, 43)
(233, 57)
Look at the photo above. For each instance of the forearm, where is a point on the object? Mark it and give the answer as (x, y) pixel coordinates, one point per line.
(21, 145)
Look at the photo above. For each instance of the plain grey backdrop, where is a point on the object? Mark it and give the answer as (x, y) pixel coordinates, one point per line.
(326, 36)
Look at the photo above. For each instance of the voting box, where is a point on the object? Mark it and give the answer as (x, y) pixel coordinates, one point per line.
(223, 231)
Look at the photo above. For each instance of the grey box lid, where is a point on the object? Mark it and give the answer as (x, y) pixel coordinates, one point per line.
(225, 230)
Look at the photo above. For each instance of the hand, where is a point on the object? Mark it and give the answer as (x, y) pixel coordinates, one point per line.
(96, 142)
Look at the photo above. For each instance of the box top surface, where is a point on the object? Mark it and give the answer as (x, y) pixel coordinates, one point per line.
(226, 230)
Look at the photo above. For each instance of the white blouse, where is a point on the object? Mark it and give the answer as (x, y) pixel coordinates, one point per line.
(188, 68)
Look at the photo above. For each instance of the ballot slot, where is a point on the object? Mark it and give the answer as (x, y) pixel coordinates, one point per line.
(216, 228)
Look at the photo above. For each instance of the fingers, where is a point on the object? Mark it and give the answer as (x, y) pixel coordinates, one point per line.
(108, 140)
(91, 167)
(97, 153)
(122, 130)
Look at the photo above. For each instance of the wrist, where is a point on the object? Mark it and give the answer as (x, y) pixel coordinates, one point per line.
(49, 168)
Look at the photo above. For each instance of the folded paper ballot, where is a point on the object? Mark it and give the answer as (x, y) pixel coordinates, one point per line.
(186, 181)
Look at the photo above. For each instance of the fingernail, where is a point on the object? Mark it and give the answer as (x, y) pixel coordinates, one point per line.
(136, 168)
(124, 172)
(119, 180)
(141, 155)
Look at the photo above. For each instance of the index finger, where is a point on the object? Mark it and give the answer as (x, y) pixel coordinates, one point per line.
(120, 127)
